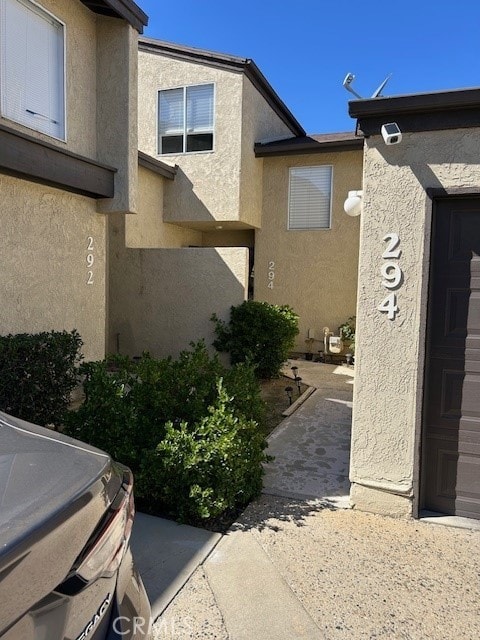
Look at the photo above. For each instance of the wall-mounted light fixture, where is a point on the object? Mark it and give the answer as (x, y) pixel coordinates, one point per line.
(353, 204)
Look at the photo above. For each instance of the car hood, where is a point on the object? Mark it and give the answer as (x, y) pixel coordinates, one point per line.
(42, 472)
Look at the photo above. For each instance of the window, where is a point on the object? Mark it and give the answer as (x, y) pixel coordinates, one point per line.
(185, 119)
(32, 67)
(310, 196)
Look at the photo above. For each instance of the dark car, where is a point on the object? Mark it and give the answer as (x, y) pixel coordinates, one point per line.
(66, 513)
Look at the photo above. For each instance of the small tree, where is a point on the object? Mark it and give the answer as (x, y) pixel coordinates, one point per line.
(259, 333)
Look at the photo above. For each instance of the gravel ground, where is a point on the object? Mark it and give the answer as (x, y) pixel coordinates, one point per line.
(359, 576)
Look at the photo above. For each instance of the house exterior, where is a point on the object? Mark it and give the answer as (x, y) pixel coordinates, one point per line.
(68, 158)
(230, 143)
(306, 251)
(416, 416)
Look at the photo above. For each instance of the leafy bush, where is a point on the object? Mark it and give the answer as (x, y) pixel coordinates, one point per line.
(38, 373)
(258, 333)
(153, 416)
(199, 471)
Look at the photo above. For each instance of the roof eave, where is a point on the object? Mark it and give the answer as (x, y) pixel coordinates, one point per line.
(125, 9)
(419, 112)
(286, 149)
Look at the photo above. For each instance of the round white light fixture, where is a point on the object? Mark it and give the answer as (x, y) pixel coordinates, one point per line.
(353, 204)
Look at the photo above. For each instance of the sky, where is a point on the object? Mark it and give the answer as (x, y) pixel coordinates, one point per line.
(305, 48)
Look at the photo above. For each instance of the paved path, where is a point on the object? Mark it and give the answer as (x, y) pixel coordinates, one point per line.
(312, 446)
(295, 566)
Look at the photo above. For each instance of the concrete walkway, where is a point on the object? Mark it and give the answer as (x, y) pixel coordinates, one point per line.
(295, 566)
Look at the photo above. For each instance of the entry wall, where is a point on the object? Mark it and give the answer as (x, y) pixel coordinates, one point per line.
(162, 299)
(390, 354)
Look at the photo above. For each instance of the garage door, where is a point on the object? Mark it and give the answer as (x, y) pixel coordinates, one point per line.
(451, 444)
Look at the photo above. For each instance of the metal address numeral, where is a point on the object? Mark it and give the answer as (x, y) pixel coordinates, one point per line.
(392, 275)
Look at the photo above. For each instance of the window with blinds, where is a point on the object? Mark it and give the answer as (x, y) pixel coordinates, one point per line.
(185, 119)
(310, 197)
(32, 67)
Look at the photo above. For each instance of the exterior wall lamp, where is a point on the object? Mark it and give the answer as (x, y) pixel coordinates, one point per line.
(353, 204)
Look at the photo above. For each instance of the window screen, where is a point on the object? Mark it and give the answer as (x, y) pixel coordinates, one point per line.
(309, 203)
(32, 67)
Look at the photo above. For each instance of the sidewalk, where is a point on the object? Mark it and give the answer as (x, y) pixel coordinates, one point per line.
(295, 566)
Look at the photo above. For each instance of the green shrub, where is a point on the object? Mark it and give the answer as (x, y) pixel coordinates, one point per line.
(199, 471)
(258, 333)
(38, 373)
(140, 412)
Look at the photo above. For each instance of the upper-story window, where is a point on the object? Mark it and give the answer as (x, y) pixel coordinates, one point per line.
(185, 119)
(310, 197)
(32, 61)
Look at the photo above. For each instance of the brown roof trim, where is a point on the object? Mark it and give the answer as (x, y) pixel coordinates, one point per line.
(419, 112)
(323, 143)
(125, 9)
(30, 159)
(232, 63)
(157, 166)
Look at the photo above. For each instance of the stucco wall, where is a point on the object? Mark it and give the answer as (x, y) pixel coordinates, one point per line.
(315, 272)
(43, 248)
(207, 184)
(162, 299)
(117, 114)
(260, 123)
(147, 229)
(386, 435)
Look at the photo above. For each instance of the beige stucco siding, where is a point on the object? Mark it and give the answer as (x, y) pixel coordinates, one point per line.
(162, 299)
(390, 354)
(43, 250)
(315, 272)
(117, 114)
(147, 229)
(260, 123)
(207, 185)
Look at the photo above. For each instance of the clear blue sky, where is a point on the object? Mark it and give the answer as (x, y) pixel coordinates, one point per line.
(305, 48)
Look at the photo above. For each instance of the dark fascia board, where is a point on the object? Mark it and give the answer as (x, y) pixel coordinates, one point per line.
(125, 9)
(30, 159)
(157, 166)
(232, 63)
(419, 112)
(294, 147)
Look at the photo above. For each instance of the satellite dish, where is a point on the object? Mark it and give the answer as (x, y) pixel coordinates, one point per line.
(378, 92)
(349, 78)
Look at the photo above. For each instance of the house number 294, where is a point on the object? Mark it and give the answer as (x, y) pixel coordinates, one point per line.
(271, 274)
(392, 275)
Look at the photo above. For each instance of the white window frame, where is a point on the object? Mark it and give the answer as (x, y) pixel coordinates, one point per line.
(318, 166)
(27, 122)
(184, 147)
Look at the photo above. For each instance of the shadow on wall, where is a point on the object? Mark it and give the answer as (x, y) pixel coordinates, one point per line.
(181, 203)
(162, 299)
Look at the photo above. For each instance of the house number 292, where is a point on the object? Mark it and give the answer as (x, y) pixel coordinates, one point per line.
(392, 275)
(90, 259)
